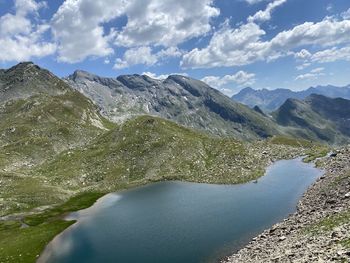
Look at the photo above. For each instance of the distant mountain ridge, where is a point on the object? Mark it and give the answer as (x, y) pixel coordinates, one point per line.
(178, 98)
(67, 112)
(270, 100)
(317, 118)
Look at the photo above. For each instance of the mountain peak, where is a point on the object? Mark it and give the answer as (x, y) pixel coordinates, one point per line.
(23, 66)
(27, 79)
(81, 74)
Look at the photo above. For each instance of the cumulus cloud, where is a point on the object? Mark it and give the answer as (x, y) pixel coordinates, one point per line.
(239, 79)
(228, 47)
(21, 38)
(324, 56)
(265, 15)
(244, 45)
(331, 55)
(79, 25)
(144, 55)
(78, 28)
(166, 22)
(302, 54)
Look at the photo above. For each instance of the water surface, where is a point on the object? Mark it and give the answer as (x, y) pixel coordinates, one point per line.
(180, 222)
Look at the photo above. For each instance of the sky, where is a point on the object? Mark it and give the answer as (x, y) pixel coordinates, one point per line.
(229, 44)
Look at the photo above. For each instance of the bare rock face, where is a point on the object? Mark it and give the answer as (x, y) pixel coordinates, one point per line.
(187, 101)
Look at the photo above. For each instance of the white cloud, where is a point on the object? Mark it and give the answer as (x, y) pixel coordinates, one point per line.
(79, 25)
(166, 22)
(144, 55)
(162, 76)
(317, 70)
(265, 15)
(303, 66)
(302, 54)
(329, 7)
(20, 38)
(346, 14)
(252, 2)
(312, 75)
(78, 28)
(331, 55)
(244, 45)
(324, 56)
(228, 47)
(239, 79)
(134, 56)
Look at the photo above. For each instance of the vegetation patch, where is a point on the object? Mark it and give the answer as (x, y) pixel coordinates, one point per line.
(23, 245)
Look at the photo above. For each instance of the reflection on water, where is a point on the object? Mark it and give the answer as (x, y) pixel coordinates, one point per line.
(180, 222)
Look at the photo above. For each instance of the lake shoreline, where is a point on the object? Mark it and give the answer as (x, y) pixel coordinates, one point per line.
(10, 224)
(319, 231)
(283, 203)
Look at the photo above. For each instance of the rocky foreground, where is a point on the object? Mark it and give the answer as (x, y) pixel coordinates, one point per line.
(320, 229)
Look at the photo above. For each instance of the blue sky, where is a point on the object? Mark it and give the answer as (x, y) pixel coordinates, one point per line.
(230, 44)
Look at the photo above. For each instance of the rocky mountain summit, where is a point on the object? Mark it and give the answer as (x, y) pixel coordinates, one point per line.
(319, 230)
(270, 100)
(178, 98)
(27, 79)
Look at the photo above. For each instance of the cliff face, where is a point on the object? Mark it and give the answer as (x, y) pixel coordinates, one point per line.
(320, 229)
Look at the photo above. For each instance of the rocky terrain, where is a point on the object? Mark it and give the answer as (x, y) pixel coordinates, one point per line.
(271, 100)
(178, 98)
(320, 229)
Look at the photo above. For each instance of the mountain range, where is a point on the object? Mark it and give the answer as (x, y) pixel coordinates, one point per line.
(83, 106)
(178, 98)
(270, 100)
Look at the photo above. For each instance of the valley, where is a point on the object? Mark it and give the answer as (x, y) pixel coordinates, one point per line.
(165, 131)
(61, 152)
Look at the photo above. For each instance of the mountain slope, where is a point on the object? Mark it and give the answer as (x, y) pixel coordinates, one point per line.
(270, 100)
(184, 100)
(316, 118)
(26, 79)
(40, 116)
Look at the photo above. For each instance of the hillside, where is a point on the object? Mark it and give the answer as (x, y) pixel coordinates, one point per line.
(181, 99)
(53, 140)
(58, 154)
(270, 100)
(316, 118)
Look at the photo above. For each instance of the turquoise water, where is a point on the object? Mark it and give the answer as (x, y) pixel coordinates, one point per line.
(181, 222)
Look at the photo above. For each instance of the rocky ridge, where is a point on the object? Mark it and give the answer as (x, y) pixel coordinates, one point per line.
(187, 101)
(316, 118)
(270, 100)
(320, 229)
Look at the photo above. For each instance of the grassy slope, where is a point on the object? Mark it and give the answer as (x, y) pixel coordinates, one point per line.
(309, 119)
(36, 130)
(144, 149)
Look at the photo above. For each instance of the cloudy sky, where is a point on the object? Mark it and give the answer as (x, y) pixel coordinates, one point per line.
(230, 44)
